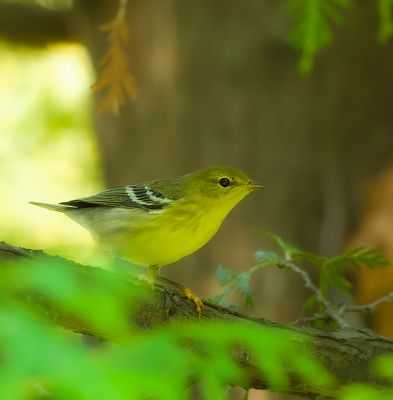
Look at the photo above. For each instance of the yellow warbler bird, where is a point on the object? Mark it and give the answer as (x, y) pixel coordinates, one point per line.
(159, 222)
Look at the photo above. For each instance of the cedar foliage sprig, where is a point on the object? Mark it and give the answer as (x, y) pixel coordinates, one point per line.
(385, 10)
(312, 30)
(313, 22)
(330, 270)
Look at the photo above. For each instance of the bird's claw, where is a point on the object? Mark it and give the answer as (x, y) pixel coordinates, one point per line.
(190, 295)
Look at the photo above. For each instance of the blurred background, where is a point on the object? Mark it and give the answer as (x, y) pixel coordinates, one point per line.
(218, 84)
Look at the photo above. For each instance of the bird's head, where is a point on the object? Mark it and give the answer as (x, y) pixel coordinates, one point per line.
(220, 185)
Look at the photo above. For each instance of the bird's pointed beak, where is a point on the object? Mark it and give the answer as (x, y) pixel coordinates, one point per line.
(256, 186)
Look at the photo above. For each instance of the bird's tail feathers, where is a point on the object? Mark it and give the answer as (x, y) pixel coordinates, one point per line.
(52, 207)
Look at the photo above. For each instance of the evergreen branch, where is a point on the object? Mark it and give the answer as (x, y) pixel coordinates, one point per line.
(313, 318)
(368, 308)
(386, 19)
(312, 31)
(330, 276)
(232, 281)
(345, 309)
(358, 256)
(330, 310)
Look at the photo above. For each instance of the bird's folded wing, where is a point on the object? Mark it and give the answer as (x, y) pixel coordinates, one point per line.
(132, 196)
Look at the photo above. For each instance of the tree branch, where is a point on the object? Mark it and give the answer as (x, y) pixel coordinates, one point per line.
(345, 309)
(335, 316)
(346, 354)
(371, 307)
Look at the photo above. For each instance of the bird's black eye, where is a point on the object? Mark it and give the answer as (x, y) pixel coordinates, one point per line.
(224, 182)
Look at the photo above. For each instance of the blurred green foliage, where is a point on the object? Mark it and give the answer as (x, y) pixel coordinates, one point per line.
(39, 358)
(312, 30)
(159, 363)
(385, 8)
(313, 20)
(364, 392)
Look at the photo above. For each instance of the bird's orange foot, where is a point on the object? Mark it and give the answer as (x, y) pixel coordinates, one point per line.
(197, 300)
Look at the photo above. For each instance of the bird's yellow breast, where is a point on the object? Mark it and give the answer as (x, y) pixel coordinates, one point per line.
(157, 238)
(168, 238)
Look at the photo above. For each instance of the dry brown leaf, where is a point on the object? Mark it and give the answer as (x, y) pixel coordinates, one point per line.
(114, 78)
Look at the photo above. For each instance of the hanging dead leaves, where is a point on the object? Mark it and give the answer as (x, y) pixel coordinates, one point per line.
(115, 81)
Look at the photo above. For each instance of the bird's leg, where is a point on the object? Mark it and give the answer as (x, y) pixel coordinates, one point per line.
(154, 273)
(193, 297)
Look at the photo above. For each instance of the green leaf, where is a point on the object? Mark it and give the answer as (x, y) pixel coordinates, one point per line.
(225, 275)
(235, 281)
(311, 258)
(243, 287)
(310, 303)
(358, 257)
(364, 392)
(386, 21)
(286, 247)
(342, 283)
(222, 299)
(312, 372)
(331, 274)
(312, 30)
(267, 258)
(383, 366)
